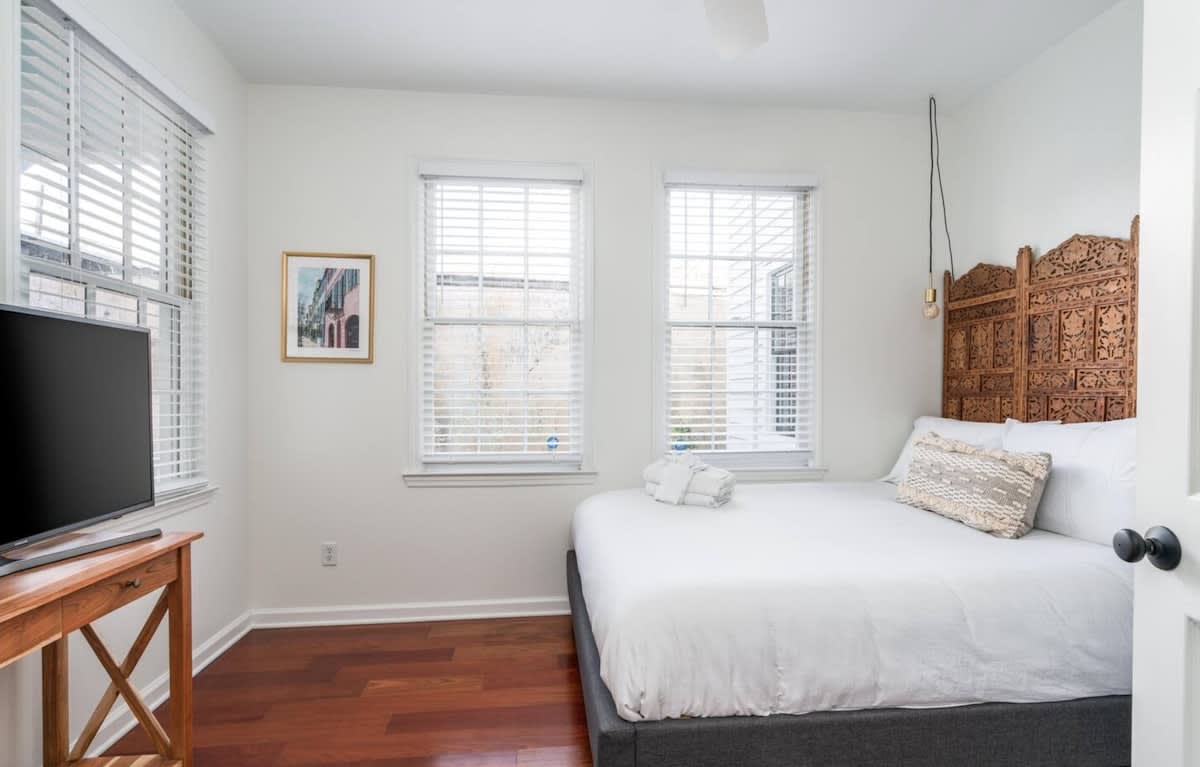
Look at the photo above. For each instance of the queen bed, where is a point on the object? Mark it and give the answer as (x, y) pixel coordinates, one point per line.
(827, 624)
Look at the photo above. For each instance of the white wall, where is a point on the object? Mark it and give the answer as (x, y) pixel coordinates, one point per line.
(159, 33)
(1052, 150)
(332, 170)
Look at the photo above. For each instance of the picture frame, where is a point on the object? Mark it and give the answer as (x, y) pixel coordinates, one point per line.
(328, 307)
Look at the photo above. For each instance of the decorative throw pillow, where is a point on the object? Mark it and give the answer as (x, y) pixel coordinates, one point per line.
(978, 433)
(992, 490)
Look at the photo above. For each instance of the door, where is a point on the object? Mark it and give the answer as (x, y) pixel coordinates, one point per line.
(1166, 635)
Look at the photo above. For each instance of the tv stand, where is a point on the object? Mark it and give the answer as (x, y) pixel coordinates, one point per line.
(40, 608)
(58, 549)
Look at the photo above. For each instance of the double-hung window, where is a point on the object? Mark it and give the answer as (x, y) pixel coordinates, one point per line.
(740, 335)
(111, 223)
(502, 325)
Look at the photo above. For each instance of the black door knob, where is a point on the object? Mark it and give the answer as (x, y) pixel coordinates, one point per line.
(1160, 545)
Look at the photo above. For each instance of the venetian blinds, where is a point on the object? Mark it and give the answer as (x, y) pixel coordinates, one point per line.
(502, 332)
(111, 201)
(740, 334)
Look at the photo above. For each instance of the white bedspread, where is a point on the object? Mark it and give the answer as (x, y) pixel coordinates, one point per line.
(823, 596)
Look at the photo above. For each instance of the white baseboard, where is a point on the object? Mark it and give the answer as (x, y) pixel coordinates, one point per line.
(121, 720)
(408, 612)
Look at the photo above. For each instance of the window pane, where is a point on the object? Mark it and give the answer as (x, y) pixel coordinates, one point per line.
(115, 307)
(45, 201)
(503, 360)
(738, 363)
(111, 223)
(57, 295)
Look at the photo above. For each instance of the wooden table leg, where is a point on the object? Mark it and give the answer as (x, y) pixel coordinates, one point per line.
(179, 603)
(55, 704)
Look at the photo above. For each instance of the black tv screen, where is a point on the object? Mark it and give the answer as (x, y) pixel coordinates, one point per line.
(77, 431)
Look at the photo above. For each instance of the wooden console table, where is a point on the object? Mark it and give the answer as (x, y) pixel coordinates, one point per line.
(39, 608)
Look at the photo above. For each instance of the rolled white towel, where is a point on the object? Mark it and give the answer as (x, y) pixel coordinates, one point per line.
(693, 499)
(708, 481)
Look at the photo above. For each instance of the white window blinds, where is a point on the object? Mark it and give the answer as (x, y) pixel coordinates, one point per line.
(111, 221)
(740, 335)
(502, 330)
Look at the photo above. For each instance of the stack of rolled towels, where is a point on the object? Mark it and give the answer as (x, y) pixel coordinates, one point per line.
(681, 478)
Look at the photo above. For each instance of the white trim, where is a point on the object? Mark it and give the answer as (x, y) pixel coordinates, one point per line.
(156, 692)
(527, 171)
(756, 180)
(408, 612)
(90, 23)
(500, 477)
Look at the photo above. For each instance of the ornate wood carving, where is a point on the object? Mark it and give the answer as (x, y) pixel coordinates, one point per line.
(981, 311)
(996, 383)
(1051, 380)
(981, 409)
(963, 384)
(982, 280)
(1082, 254)
(981, 344)
(1075, 409)
(1043, 338)
(1076, 342)
(1053, 339)
(1004, 346)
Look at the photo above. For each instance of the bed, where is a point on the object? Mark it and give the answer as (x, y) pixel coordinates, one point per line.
(880, 634)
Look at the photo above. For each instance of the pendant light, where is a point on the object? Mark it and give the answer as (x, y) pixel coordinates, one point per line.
(930, 309)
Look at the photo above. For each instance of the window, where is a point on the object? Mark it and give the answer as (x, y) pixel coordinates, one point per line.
(783, 348)
(502, 323)
(110, 219)
(739, 345)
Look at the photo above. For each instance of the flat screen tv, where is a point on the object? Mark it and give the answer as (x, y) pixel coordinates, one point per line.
(77, 439)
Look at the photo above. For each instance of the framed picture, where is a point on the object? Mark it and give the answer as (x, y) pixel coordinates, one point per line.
(328, 307)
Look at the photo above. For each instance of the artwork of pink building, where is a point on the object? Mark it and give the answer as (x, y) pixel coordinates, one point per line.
(331, 318)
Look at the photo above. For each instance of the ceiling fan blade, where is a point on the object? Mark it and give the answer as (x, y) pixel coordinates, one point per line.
(738, 26)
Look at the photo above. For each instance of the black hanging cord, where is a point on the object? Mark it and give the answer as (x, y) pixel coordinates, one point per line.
(935, 166)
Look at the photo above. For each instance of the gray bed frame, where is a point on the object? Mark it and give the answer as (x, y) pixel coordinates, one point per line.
(1093, 732)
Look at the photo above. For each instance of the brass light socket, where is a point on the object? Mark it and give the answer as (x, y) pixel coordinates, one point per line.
(930, 295)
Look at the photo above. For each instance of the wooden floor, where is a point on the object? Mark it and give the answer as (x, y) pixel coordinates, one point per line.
(495, 693)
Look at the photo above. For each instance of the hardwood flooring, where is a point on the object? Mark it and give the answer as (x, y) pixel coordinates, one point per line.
(483, 693)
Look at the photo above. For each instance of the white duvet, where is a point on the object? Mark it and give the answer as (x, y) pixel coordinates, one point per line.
(826, 596)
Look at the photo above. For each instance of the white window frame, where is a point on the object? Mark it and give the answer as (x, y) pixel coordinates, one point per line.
(178, 495)
(748, 466)
(521, 471)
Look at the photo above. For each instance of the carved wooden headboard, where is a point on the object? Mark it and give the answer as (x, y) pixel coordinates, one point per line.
(1054, 339)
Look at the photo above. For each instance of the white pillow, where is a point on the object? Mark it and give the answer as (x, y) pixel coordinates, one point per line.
(976, 433)
(1091, 491)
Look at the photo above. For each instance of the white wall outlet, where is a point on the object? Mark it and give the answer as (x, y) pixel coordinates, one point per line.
(329, 554)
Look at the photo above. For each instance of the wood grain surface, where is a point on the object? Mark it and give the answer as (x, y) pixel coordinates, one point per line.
(483, 693)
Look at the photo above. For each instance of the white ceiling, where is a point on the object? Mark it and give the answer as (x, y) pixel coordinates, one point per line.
(854, 54)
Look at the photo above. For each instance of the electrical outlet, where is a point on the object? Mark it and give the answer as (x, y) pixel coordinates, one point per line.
(329, 554)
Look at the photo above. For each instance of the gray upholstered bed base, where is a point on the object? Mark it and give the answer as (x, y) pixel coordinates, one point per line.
(1093, 732)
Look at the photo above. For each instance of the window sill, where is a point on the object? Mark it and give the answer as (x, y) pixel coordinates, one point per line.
(164, 508)
(781, 474)
(460, 478)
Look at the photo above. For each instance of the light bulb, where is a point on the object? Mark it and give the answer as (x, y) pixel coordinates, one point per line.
(931, 308)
